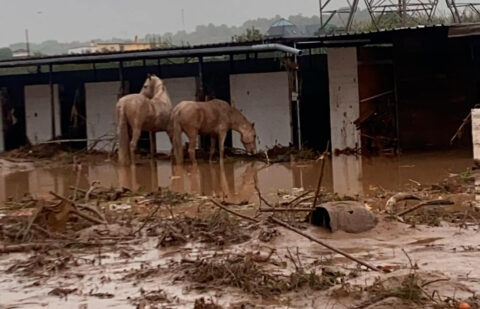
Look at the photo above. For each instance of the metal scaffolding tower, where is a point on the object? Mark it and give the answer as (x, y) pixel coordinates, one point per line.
(462, 11)
(345, 14)
(404, 10)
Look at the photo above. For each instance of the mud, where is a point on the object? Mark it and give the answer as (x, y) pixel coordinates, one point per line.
(165, 245)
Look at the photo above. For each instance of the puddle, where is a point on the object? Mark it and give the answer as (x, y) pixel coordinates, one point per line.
(346, 175)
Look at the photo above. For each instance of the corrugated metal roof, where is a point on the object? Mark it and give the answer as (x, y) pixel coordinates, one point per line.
(361, 37)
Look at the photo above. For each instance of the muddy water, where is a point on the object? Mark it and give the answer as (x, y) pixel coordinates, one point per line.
(344, 174)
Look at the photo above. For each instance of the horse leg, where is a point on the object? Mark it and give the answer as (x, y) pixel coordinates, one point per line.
(213, 140)
(133, 144)
(192, 145)
(221, 144)
(153, 144)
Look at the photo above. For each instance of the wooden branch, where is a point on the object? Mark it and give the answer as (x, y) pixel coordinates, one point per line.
(345, 254)
(298, 198)
(320, 177)
(401, 196)
(149, 217)
(87, 217)
(102, 219)
(432, 202)
(24, 247)
(262, 199)
(30, 222)
(284, 209)
(233, 212)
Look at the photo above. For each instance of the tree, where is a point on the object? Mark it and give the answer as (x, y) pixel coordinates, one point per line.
(251, 34)
(5, 53)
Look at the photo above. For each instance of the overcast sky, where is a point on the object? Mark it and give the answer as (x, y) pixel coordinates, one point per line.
(82, 20)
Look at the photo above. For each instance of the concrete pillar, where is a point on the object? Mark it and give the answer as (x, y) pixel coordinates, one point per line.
(344, 110)
(344, 98)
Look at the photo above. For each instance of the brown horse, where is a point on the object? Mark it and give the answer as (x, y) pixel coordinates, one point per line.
(214, 118)
(148, 110)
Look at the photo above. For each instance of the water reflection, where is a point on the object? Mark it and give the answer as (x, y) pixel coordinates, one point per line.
(235, 181)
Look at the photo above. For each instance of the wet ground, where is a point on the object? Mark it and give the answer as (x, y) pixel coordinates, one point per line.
(191, 249)
(346, 175)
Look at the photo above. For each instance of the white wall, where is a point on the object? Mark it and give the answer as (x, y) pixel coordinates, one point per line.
(38, 114)
(179, 89)
(264, 99)
(2, 137)
(100, 112)
(344, 98)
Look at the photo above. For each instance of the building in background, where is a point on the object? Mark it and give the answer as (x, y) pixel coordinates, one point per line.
(20, 53)
(108, 47)
(283, 28)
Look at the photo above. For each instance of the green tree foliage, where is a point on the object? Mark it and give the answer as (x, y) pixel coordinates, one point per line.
(251, 34)
(5, 53)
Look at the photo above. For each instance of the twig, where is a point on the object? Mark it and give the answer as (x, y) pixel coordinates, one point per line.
(409, 259)
(75, 205)
(303, 200)
(30, 222)
(82, 190)
(458, 133)
(233, 212)
(298, 197)
(90, 190)
(87, 217)
(286, 225)
(292, 259)
(320, 177)
(262, 199)
(266, 157)
(298, 258)
(397, 198)
(434, 281)
(48, 233)
(78, 167)
(284, 209)
(24, 247)
(149, 217)
(432, 202)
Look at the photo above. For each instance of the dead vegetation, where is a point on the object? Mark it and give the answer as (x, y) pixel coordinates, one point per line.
(250, 274)
(212, 249)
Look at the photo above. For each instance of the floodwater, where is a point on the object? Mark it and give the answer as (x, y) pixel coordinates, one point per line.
(346, 175)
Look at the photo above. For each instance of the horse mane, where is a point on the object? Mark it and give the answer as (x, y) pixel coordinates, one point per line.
(158, 93)
(236, 112)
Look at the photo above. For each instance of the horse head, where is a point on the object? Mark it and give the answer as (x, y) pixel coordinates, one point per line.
(249, 137)
(148, 88)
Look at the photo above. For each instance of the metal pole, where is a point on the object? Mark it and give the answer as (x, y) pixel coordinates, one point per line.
(27, 42)
(299, 130)
(120, 77)
(353, 10)
(321, 13)
(52, 98)
(201, 95)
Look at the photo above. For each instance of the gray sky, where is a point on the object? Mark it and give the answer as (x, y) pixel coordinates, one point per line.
(82, 20)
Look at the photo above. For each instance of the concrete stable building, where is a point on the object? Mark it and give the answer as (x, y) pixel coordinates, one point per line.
(379, 92)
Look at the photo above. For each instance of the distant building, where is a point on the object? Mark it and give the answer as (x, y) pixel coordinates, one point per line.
(20, 53)
(82, 50)
(107, 47)
(283, 28)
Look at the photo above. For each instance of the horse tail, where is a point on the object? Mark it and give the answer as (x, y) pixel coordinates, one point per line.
(176, 133)
(122, 131)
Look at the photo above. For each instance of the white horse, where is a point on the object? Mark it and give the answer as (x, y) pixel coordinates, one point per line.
(148, 110)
